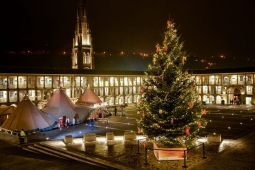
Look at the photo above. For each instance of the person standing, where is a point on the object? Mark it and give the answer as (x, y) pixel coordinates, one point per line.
(122, 110)
(22, 136)
(74, 122)
(115, 111)
(67, 122)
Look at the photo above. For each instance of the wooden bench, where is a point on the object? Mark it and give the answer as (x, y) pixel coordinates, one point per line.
(89, 138)
(110, 138)
(214, 138)
(68, 139)
(130, 138)
(102, 120)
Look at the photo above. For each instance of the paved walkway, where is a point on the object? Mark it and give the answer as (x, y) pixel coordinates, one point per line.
(238, 155)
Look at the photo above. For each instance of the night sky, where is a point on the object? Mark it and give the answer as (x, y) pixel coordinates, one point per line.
(208, 28)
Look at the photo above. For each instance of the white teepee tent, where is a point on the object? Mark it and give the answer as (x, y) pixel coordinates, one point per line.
(60, 105)
(28, 117)
(89, 97)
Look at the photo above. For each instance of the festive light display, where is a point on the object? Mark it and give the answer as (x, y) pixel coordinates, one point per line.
(169, 102)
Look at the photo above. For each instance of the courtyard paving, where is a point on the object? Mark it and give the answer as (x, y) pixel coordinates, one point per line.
(234, 152)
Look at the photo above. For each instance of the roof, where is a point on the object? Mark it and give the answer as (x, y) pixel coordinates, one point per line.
(67, 71)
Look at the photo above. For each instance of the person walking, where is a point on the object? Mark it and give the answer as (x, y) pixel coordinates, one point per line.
(22, 136)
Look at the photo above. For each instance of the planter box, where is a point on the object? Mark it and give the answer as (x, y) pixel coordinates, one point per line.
(175, 153)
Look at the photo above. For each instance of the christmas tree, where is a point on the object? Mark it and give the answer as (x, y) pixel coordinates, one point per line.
(169, 107)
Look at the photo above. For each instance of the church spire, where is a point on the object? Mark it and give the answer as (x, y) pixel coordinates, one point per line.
(82, 42)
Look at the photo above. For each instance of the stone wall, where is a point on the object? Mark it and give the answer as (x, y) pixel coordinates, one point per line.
(10, 137)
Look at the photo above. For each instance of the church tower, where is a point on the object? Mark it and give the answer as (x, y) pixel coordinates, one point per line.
(82, 46)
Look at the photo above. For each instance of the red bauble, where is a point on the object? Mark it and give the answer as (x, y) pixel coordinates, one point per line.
(190, 105)
(169, 22)
(187, 131)
(142, 90)
(139, 130)
(183, 60)
(157, 48)
(166, 48)
(204, 112)
(199, 123)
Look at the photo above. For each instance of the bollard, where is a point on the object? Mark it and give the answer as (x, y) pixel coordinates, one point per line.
(138, 147)
(203, 151)
(145, 163)
(184, 165)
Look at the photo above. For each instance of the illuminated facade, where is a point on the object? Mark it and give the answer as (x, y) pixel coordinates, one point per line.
(226, 87)
(113, 89)
(82, 42)
(116, 88)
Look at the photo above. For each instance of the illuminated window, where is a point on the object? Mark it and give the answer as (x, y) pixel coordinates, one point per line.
(225, 79)
(11, 81)
(11, 93)
(125, 81)
(138, 80)
(29, 81)
(241, 78)
(249, 78)
(38, 80)
(1, 94)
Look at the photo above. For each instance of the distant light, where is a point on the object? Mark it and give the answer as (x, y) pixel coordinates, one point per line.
(122, 53)
(64, 52)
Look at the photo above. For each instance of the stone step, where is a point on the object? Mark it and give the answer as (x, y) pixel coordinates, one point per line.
(44, 148)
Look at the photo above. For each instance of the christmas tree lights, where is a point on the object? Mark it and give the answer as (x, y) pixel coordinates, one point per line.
(169, 106)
